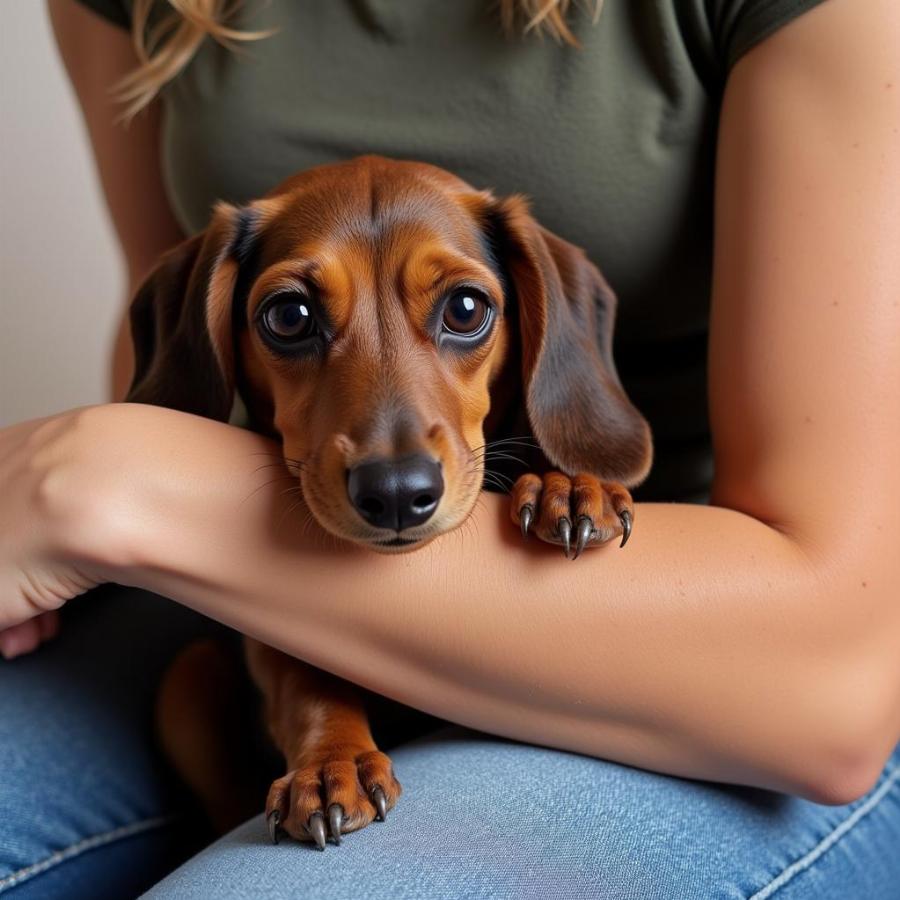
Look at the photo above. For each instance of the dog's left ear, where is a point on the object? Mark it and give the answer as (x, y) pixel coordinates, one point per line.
(576, 405)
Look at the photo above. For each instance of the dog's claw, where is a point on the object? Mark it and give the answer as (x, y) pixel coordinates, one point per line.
(380, 802)
(564, 527)
(335, 820)
(625, 519)
(585, 529)
(316, 829)
(526, 515)
(273, 820)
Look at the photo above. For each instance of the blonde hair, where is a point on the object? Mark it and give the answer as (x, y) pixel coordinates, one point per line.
(164, 49)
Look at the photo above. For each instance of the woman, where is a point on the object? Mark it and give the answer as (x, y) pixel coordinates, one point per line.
(749, 642)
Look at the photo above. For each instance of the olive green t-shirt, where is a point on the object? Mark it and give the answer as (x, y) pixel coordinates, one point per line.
(613, 141)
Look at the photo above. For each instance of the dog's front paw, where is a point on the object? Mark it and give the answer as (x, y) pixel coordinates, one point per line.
(575, 513)
(340, 792)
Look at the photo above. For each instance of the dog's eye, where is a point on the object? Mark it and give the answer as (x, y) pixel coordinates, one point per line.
(466, 312)
(289, 318)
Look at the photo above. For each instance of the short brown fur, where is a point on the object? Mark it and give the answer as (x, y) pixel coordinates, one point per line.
(379, 244)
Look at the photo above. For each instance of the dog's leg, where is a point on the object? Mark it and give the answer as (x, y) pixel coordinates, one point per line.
(204, 717)
(337, 779)
(576, 512)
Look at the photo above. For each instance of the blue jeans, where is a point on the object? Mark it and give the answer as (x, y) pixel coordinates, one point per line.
(89, 810)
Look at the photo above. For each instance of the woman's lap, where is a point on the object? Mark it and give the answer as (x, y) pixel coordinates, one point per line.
(89, 810)
(493, 819)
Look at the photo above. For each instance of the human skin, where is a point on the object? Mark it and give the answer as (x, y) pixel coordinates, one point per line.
(752, 641)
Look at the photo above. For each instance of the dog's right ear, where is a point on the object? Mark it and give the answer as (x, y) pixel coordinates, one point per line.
(181, 320)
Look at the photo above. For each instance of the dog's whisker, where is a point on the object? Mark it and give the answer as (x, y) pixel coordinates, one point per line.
(497, 474)
(308, 520)
(292, 467)
(508, 439)
(266, 484)
(272, 465)
(503, 442)
(509, 456)
(484, 475)
(504, 453)
(471, 522)
(274, 481)
(277, 456)
(492, 452)
(506, 448)
(503, 488)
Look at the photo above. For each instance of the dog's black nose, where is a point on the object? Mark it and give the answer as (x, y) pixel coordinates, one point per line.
(396, 493)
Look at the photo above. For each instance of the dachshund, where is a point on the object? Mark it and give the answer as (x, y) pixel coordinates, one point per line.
(393, 328)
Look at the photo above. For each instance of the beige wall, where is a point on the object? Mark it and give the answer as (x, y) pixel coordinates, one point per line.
(61, 280)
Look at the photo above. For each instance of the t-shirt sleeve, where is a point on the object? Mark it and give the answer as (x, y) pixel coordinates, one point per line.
(116, 11)
(739, 25)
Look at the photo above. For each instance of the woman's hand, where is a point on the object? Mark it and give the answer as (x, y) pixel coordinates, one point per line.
(28, 636)
(56, 540)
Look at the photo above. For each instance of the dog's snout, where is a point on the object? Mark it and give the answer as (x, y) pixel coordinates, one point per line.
(396, 493)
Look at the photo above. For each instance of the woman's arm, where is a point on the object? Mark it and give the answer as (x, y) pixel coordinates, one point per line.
(754, 641)
(97, 55)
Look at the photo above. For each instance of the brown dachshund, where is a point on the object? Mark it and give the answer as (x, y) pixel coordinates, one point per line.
(382, 319)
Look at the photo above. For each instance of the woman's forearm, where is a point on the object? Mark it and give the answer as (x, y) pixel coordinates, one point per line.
(711, 647)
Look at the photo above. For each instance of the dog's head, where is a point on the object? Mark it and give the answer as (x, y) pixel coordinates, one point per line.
(364, 310)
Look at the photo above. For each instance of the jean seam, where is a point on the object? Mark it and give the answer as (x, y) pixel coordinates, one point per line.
(830, 840)
(83, 846)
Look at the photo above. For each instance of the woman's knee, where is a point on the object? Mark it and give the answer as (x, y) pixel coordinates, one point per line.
(483, 817)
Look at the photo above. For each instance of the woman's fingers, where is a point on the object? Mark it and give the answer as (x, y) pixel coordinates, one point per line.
(28, 636)
(55, 490)
(20, 639)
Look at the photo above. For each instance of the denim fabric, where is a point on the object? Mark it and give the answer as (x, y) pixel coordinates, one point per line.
(483, 818)
(89, 810)
(87, 807)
